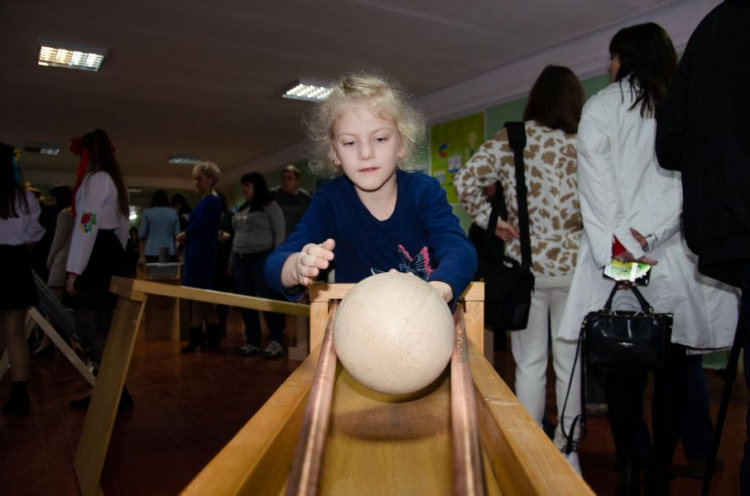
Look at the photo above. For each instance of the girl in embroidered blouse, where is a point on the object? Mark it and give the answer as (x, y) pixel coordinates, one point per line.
(97, 245)
(375, 217)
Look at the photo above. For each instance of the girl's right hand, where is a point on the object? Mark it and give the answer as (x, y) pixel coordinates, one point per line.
(311, 260)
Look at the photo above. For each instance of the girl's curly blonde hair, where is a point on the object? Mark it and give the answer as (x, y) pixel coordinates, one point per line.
(382, 97)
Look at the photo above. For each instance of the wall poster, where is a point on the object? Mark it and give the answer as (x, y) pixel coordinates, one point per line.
(451, 145)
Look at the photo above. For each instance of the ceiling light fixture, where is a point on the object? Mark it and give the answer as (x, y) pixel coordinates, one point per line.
(310, 91)
(71, 56)
(41, 148)
(184, 159)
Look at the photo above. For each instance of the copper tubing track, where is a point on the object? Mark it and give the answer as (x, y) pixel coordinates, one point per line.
(306, 468)
(467, 460)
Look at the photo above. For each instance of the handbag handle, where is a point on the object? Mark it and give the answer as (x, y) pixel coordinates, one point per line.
(645, 305)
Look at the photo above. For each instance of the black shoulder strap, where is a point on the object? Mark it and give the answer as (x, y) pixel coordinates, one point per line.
(498, 210)
(517, 141)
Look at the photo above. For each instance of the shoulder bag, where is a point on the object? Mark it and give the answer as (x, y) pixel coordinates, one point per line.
(508, 283)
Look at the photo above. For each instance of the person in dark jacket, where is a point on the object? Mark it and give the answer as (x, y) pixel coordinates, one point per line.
(703, 131)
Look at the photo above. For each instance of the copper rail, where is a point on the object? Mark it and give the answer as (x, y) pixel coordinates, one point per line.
(468, 479)
(308, 457)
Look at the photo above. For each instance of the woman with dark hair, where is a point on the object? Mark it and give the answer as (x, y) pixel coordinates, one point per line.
(160, 225)
(631, 211)
(19, 229)
(97, 246)
(258, 229)
(551, 122)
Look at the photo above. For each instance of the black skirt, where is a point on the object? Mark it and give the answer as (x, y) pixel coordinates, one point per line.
(107, 259)
(17, 288)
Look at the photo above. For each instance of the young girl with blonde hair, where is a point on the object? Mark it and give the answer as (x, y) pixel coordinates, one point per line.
(375, 217)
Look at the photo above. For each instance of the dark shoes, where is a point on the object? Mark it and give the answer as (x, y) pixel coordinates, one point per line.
(19, 403)
(657, 481)
(126, 403)
(196, 340)
(630, 477)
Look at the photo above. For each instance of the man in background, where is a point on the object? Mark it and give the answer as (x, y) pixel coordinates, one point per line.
(292, 199)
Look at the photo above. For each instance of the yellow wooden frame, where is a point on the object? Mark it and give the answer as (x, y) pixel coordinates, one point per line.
(518, 456)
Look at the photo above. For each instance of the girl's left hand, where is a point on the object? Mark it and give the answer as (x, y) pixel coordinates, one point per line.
(444, 289)
(506, 231)
(70, 283)
(181, 237)
(441, 287)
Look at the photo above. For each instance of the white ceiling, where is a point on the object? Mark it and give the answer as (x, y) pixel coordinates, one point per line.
(205, 77)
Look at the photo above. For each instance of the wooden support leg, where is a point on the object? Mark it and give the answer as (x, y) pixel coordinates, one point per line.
(62, 345)
(100, 419)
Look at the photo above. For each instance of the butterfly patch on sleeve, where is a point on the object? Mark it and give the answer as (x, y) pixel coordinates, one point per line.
(88, 221)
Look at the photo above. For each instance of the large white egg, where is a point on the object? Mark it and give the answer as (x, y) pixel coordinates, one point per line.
(393, 333)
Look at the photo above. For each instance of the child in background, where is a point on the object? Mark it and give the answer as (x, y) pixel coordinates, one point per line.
(375, 217)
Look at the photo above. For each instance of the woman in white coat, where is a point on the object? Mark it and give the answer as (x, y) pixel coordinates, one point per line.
(625, 196)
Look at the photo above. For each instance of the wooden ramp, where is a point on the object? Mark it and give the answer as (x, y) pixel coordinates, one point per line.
(381, 444)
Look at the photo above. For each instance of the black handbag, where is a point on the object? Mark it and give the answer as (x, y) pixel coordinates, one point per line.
(508, 283)
(637, 340)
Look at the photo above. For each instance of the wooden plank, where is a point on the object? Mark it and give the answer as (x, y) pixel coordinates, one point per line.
(520, 455)
(62, 345)
(123, 286)
(105, 398)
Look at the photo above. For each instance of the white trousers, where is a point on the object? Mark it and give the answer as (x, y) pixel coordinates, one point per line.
(530, 347)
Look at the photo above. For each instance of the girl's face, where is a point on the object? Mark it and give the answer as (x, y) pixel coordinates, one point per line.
(614, 66)
(202, 184)
(247, 191)
(367, 148)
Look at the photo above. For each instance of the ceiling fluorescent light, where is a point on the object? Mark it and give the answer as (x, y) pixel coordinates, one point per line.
(310, 91)
(41, 148)
(70, 56)
(183, 159)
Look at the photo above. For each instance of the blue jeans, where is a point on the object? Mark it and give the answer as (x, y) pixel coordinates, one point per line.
(250, 278)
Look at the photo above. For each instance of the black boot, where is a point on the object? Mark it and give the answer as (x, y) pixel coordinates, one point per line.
(19, 403)
(213, 337)
(196, 340)
(630, 478)
(657, 481)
